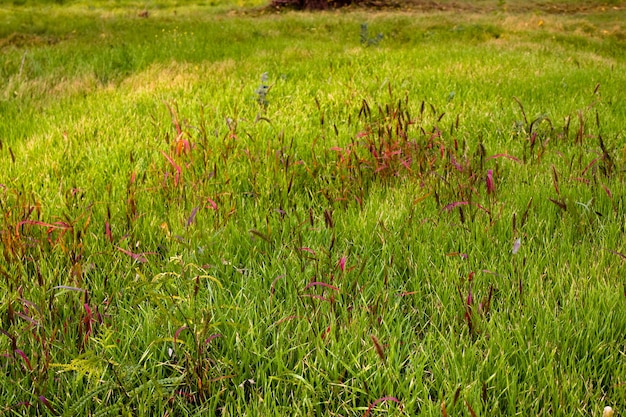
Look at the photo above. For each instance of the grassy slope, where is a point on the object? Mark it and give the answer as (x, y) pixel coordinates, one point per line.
(264, 205)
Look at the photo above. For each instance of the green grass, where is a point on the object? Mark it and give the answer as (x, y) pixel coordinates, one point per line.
(181, 236)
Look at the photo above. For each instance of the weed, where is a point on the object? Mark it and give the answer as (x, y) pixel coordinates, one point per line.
(262, 91)
(366, 40)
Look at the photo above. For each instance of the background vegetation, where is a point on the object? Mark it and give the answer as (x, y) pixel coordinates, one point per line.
(214, 208)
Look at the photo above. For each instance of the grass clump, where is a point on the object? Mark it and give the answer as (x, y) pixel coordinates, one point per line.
(308, 223)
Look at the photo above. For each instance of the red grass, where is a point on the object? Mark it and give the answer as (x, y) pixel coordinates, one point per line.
(378, 401)
(321, 284)
(24, 357)
(175, 166)
(561, 204)
(471, 410)
(379, 348)
(192, 217)
(26, 318)
(107, 232)
(342, 263)
(45, 402)
(592, 163)
(210, 338)
(212, 203)
(504, 155)
(621, 255)
(491, 188)
(87, 321)
(450, 206)
(63, 226)
(608, 192)
(139, 257)
(317, 297)
(326, 332)
(555, 180)
(274, 283)
(178, 332)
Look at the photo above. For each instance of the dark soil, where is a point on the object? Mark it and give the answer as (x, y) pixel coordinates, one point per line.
(556, 7)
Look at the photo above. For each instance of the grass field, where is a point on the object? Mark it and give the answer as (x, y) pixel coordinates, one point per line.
(214, 209)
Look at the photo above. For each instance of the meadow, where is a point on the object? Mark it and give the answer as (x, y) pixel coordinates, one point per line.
(219, 209)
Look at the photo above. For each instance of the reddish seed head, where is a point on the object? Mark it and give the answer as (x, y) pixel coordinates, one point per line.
(107, 232)
(45, 402)
(379, 348)
(24, 357)
(342, 263)
(212, 203)
(491, 188)
(378, 401)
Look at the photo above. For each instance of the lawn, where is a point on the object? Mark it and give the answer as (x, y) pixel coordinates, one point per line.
(220, 209)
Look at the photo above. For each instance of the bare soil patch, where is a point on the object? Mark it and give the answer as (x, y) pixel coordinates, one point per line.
(556, 7)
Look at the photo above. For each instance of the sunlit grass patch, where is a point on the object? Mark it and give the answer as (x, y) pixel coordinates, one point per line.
(174, 76)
